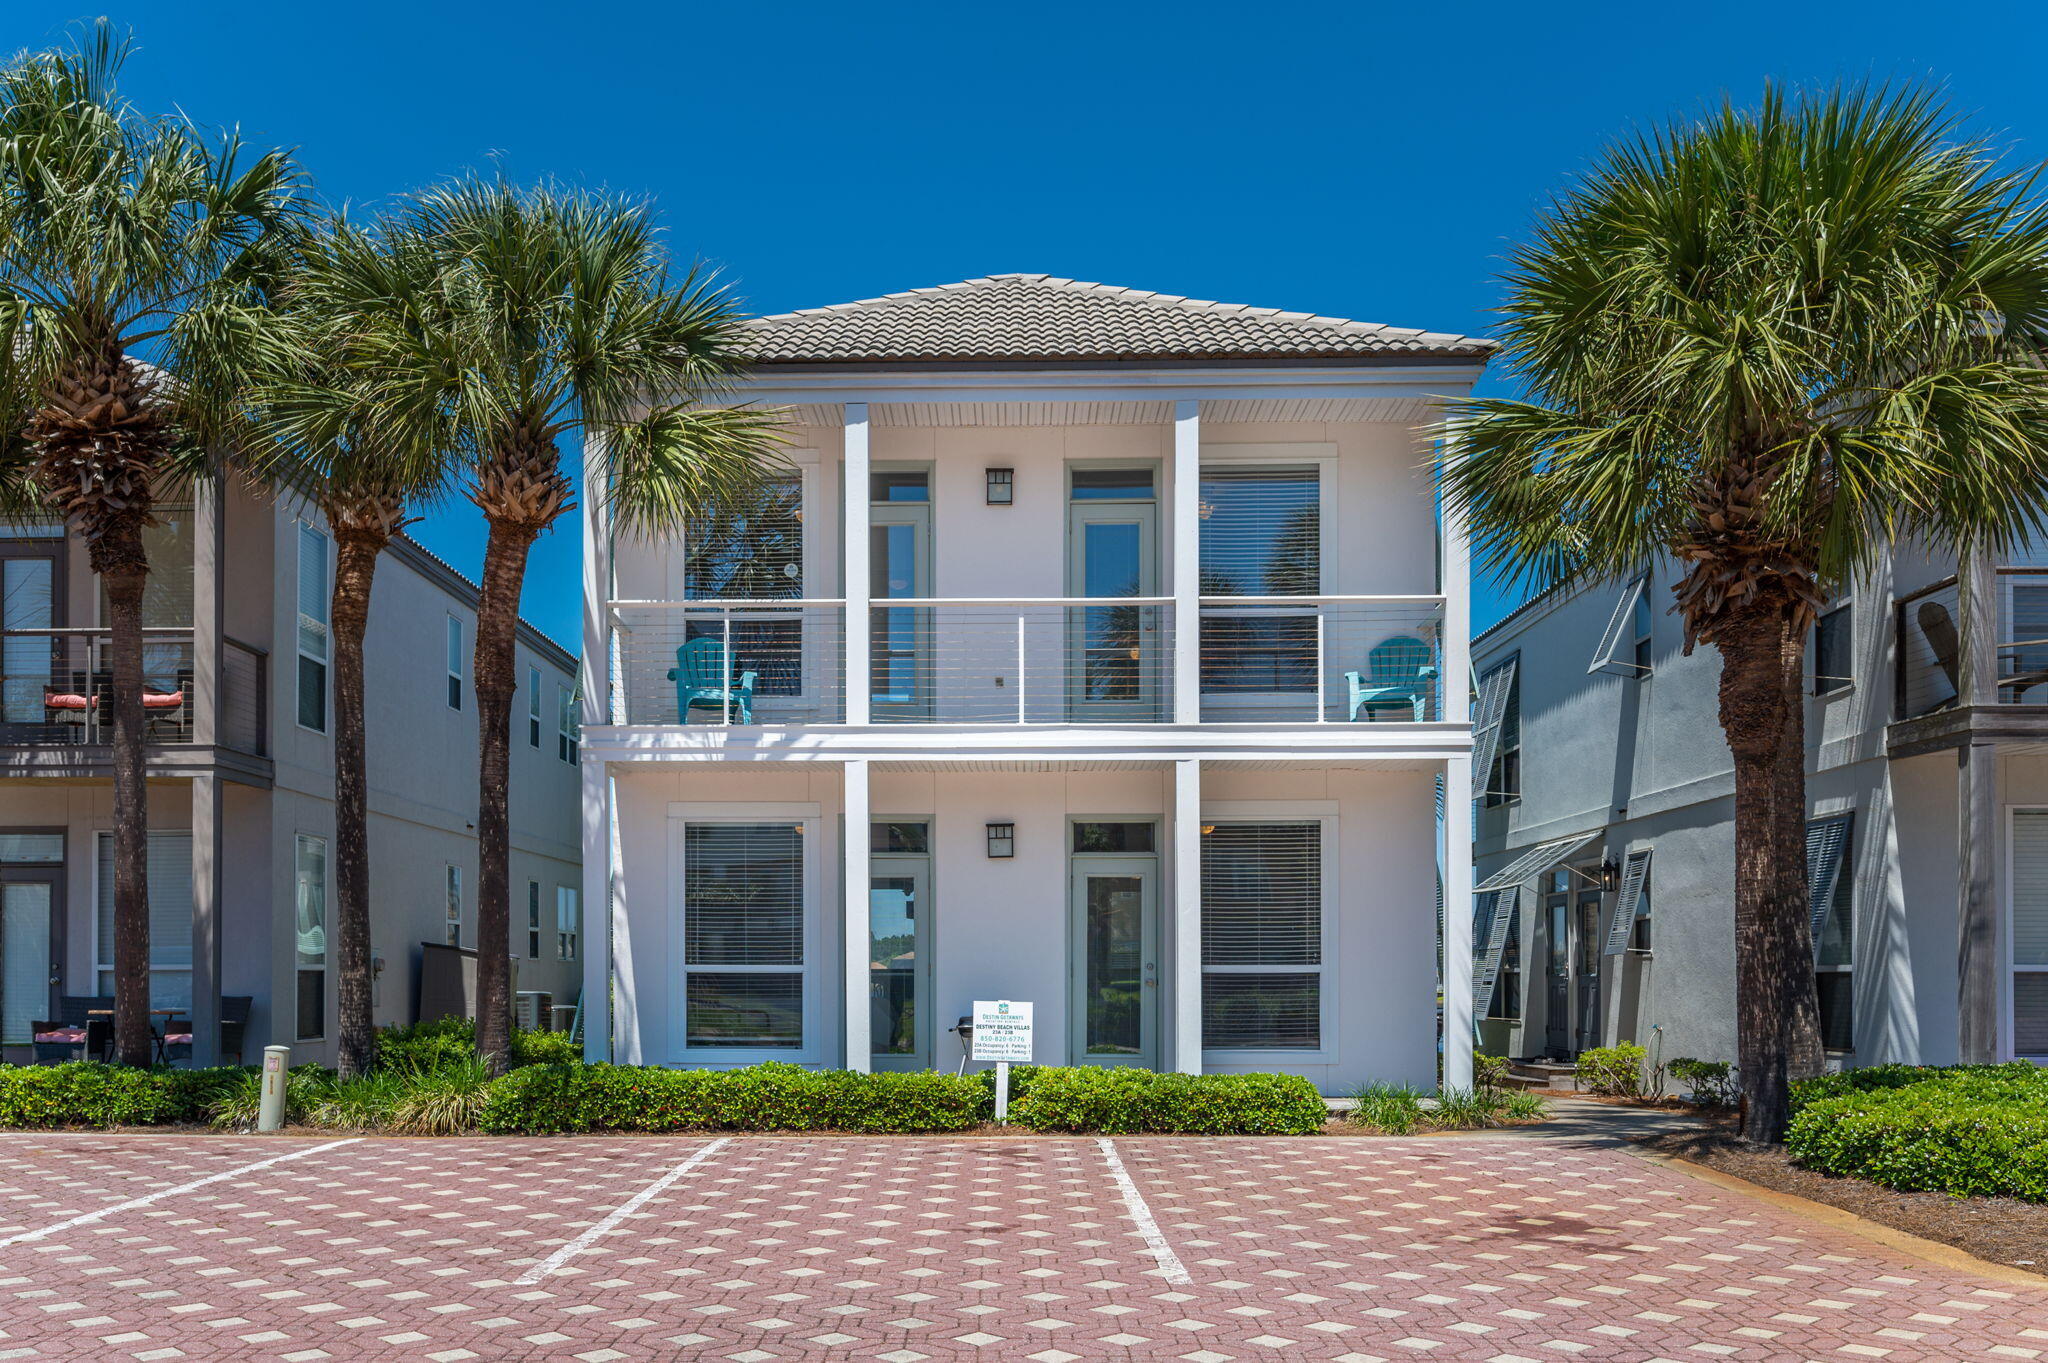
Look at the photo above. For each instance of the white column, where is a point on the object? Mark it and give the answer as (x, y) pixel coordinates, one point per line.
(854, 533)
(854, 878)
(1454, 574)
(1457, 872)
(1187, 561)
(209, 577)
(598, 926)
(207, 868)
(1187, 916)
(595, 676)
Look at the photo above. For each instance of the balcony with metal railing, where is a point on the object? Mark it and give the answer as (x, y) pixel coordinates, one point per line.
(1934, 644)
(1028, 661)
(57, 688)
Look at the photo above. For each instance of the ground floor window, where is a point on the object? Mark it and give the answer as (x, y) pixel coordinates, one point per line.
(533, 920)
(1507, 988)
(170, 918)
(1829, 859)
(568, 923)
(310, 934)
(1262, 935)
(743, 935)
(451, 902)
(2030, 932)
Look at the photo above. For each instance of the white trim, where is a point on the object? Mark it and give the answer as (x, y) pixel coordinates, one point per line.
(855, 833)
(1456, 863)
(1185, 575)
(884, 383)
(812, 1050)
(1322, 813)
(856, 679)
(1185, 885)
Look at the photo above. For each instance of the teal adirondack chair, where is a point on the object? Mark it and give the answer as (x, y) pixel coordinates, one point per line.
(703, 677)
(1398, 671)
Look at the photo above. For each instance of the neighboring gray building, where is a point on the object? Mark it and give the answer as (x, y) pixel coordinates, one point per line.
(1609, 789)
(241, 778)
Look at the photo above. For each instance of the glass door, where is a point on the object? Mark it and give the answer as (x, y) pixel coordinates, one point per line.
(899, 962)
(899, 638)
(31, 597)
(29, 954)
(1114, 1020)
(1587, 942)
(1557, 977)
(1113, 651)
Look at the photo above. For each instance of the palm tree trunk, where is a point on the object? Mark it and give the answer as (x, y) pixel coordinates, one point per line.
(1764, 719)
(494, 678)
(124, 583)
(355, 567)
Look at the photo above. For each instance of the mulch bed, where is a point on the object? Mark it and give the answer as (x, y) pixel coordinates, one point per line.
(1999, 1229)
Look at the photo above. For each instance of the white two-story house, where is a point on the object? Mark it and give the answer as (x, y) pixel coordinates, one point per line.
(1089, 652)
(240, 762)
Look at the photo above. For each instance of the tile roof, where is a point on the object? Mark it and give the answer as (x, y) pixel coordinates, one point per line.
(1040, 317)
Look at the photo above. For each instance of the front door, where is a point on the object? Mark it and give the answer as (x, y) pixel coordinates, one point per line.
(30, 952)
(899, 962)
(1114, 1019)
(899, 567)
(1113, 652)
(1586, 943)
(1557, 977)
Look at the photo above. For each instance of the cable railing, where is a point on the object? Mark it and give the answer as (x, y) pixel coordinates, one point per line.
(1028, 660)
(57, 686)
(1933, 642)
(1321, 659)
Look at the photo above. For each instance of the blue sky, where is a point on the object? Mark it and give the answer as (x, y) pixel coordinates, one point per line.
(1362, 160)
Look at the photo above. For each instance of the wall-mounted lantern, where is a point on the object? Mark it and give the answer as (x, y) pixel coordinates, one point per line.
(1001, 487)
(1002, 840)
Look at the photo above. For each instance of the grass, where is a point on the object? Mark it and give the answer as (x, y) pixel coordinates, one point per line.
(1398, 1110)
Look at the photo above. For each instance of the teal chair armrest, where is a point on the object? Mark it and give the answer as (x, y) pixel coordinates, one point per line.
(1426, 670)
(747, 681)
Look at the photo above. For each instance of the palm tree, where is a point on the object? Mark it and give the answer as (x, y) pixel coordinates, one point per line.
(550, 314)
(124, 235)
(315, 416)
(1765, 343)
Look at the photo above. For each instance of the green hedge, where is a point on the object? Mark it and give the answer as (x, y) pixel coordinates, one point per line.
(1115, 1101)
(86, 1093)
(550, 1099)
(446, 1043)
(1973, 1130)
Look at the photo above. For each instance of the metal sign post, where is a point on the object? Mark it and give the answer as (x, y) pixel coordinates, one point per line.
(1002, 1033)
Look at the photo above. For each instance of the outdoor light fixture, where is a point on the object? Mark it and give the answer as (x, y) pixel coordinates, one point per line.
(1002, 840)
(1001, 491)
(1610, 875)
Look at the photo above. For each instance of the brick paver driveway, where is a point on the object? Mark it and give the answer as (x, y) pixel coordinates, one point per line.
(752, 1249)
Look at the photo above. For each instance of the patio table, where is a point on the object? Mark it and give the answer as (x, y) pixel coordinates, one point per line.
(160, 1037)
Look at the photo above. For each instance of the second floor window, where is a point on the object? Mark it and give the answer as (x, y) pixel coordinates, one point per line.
(454, 663)
(452, 892)
(567, 731)
(1261, 535)
(1832, 668)
(1501, 685)
(314, 640)
(751, 548)
(568, 923)
(533, 707)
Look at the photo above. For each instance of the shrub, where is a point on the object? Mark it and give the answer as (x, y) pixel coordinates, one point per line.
(443, 1102)
(237, 1103)
(364, 1103)
(445, 1043)
(1971, 1130)
(551, 1099)
(1711, 1082)
(1118, 1101)
(1613, 1071)
(1489, 1071)
(1394, 1109)
(1873, 1077)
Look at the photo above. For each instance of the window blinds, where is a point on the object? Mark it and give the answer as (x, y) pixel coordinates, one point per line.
(1261, 532)
(170, 914)
(1826, 841)
(743, 894)
(1262, 894)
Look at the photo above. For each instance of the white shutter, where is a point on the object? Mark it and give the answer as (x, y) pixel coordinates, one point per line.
(1492, 913)
(1825, 841)
(1633, 875)
(1619, 633)
(1487, 718)
(1536, 861)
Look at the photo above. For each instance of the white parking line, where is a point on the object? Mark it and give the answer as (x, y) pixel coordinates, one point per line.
(89, 1217)
(1171, 1268)
(633, 1204)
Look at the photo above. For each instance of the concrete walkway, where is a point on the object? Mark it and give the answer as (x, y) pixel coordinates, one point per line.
(1582, 1121)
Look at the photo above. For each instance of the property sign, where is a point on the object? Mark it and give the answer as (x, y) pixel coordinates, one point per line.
(1002, 1031)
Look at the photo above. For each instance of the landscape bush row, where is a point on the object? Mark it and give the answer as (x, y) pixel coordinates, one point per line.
(424, 1085)
(1970, 1130)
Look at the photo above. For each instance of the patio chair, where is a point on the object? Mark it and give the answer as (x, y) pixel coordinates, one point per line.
(1399, 671)
(71, 1035)
(703, 677)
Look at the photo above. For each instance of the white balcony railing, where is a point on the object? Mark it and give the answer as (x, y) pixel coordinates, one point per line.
(1933, 640)
(1027, 660)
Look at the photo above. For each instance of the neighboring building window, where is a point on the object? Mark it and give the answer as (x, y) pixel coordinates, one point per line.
(533, 707)
(743, 935)
(1507, 988)
(314, 645)
(452, 898)
(751, 548)
(1639, 940)
(310, 934)
(169, 859)
(567, 730)
(454, 663)
(533, 920)
(1831, 841)
(1645, 627)
(1626, 645)
(1831, 661)
(568, 923)
(1262, 936)
(1261, 536)
(1504, 777)
(2030, 933)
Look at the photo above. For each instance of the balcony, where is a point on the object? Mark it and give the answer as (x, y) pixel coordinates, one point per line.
(56, 688)
(1933, 642)
(1028, 661)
